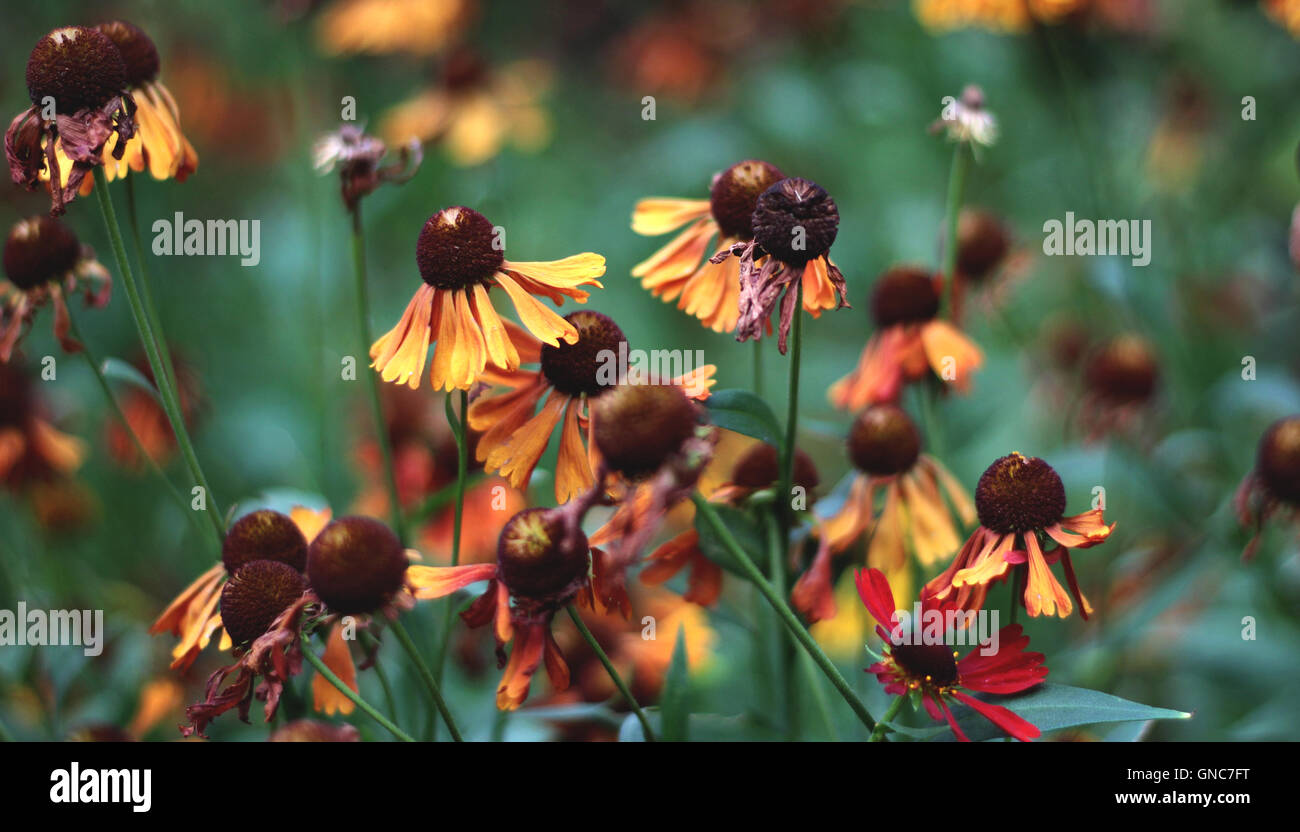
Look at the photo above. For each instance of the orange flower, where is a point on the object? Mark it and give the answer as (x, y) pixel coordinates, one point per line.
(193, 615)
(45, 263)
(461, 256)
(569, 377)
(31, 449)
(885, 447)
(158, 144)
(475, 110)
(382, 27)
(681, 270)
(909, 341)
(543, 564)
(148, 421)
(1018, 499)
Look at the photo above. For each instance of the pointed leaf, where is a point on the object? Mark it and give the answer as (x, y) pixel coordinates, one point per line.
(743, 412)
(675, 702)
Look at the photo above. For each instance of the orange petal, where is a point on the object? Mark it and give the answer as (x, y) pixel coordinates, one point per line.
(944, 345)
(325, 697)
(517, 456)
(541, 321)
(440, 581)
(573, 475)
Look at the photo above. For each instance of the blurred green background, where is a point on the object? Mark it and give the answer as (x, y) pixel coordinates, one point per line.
(838, 93)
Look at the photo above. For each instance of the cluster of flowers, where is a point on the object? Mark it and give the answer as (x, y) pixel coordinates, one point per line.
(747, 260)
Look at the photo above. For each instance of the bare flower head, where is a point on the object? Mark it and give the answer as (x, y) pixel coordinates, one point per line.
(964, 119)
(357, 156)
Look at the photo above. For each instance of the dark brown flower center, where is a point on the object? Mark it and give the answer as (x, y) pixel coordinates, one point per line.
(904, 295)
(760, 467)
(255, 595)
(734, 196)
(138, 50)
(884, 441)
(588, 366)
(932, 663)
(264, 535)
(355, 565)
(795, 221)
(1124, 371)
(464, 69)
(1019, 494)
(639, 426)
(535, 560)
(39, 250)
(76, 66)
(1277, 462)
(457, 248)
(982, 242)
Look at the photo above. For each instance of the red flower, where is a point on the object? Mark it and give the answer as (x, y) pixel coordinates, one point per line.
(935, 672)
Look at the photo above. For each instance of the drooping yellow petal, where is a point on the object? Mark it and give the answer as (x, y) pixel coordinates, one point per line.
(573, 475)
(501, 350)
(400, 354)
(517, 457)
(326, 698)
(541, 321)
(659, 215)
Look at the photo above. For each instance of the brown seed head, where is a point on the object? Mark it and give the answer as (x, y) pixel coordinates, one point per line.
(639, 426)
(795, 221)
(535, 560)
(264, 535)
(78, 67)
(355, 565)
(458, 248)
(884, 441)
(255, 595)
(1019, 494)
(734, 195)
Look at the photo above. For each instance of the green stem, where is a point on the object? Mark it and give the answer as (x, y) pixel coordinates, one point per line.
(758, 367)
(956, 188)
(784, 646)
(458, 427)
(146, 292)
(783, 610)
(785, 515)
(613, 673)
(819, 698)
(879, 733)
(167, 393)
(379, 671)
(430, 683)
(329, 676)
(96, 370)
(372, 379)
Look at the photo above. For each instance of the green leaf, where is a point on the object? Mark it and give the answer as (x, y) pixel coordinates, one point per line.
(115, 369)
(675, 703)
(743, 412)
(742, 527)
(1052, 707)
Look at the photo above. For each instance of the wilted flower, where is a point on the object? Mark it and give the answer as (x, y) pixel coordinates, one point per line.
(1018, 499)
(77, 81)
(461, 256)
(794, 223)
(45, 263)
(158, 144)
(679, 271)
(934, 672)
(965, 119)
(357, 157)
